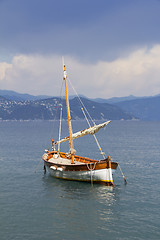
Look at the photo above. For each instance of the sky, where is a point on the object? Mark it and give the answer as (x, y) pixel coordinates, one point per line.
(111, 47)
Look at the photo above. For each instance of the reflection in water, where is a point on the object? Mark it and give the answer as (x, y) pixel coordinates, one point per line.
(73, 200)
(80, 207)
(80, 190)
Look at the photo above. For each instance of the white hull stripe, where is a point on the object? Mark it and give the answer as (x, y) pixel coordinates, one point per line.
(104, 175)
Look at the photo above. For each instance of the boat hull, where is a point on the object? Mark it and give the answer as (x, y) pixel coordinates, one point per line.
(85, 169)
(103, 176)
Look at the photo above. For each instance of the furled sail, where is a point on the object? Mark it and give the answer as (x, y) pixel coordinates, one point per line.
(91, 130)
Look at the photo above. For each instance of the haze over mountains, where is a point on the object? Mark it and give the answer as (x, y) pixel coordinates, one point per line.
(16, 106)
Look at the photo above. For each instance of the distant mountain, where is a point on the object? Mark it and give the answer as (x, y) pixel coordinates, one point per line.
(15, 105)
(115, 99)
(147, 108)
(49, 108)
(11, 95)
(100, 110)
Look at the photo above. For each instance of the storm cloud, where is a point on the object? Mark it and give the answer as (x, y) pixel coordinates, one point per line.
(110, 47)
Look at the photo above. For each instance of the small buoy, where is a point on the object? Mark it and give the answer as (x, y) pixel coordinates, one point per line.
(53, 167)
(60, 169)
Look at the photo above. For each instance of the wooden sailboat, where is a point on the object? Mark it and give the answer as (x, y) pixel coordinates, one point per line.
(69, 166)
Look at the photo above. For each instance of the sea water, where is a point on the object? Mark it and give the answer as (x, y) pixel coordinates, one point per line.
(35, 206)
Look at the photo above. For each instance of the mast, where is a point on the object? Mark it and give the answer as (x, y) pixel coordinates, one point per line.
(68, 115)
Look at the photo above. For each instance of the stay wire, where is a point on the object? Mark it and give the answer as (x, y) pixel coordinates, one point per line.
(60, 127)
(82, 102)
(102, 153)
(59, 100)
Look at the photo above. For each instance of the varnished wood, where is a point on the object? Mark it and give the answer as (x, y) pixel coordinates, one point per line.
(68, 115)
(88, 163)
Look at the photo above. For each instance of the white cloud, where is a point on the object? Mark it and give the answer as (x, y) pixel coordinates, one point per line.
(137, 74)
(4, 67)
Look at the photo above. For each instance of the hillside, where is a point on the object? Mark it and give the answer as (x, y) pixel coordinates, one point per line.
(145, 108)
(48, 109)
(17, 106)
(114, 100)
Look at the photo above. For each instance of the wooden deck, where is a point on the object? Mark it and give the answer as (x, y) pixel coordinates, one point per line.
(65, 161)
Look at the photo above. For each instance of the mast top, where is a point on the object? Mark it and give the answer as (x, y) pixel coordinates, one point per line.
(64, 70)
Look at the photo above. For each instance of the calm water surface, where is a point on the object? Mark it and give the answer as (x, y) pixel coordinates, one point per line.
(37, 206)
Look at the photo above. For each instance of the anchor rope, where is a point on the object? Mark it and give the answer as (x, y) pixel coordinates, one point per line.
(91, 169)
(122, 174)
(35, 170)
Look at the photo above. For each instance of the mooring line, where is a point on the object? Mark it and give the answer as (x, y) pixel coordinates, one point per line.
(37, 166)
(122, 174)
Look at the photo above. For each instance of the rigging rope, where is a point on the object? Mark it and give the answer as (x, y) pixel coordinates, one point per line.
(60, 99)
(81, 102)
(102, 153)
(60, 126)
